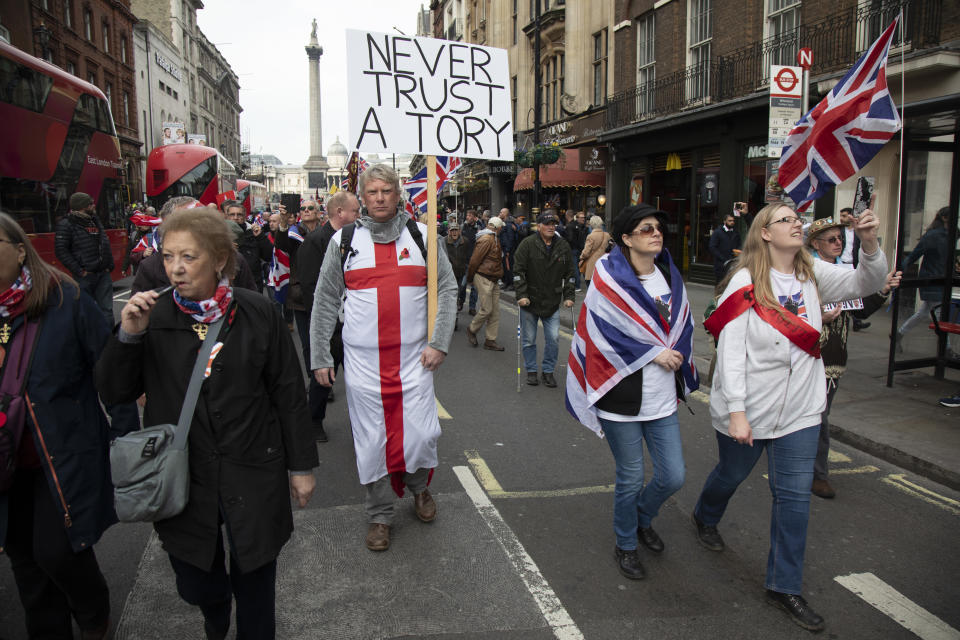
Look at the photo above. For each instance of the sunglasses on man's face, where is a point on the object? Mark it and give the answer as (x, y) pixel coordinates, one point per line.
(307, 208)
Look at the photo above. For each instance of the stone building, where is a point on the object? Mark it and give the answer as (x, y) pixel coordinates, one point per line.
(210, 86)
(93, 40)
(162, 91)
(576, 55)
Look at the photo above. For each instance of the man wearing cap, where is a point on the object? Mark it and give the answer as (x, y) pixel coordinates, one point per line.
(825, 240)
(82, 246)
(543, 276)
(458, 252)
(484, 271)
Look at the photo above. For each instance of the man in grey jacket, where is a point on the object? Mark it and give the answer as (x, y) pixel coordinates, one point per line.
(389, 359)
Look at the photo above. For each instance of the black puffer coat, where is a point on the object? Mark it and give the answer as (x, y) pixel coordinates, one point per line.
(250, 427)
(81, 244)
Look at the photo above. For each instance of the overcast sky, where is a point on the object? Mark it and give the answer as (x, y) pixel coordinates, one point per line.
(266, 41)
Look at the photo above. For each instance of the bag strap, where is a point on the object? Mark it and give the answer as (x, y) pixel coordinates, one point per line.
(417, 236)
(346, 237)
(196, 379)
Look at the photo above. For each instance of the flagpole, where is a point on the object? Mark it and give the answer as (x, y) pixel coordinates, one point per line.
(431, 244)
(903, 96)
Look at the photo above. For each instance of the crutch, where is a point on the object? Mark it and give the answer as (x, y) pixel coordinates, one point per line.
(519, 346)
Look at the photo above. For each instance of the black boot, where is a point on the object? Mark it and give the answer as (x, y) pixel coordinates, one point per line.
(797, 608)
(628, 562)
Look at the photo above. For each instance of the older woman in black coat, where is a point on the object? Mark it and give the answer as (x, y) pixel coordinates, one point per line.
(250, 437)
(59, 500)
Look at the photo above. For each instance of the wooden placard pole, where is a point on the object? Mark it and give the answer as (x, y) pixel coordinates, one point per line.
(431, 245)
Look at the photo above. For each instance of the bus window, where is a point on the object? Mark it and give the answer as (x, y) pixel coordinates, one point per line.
(192, 184)
(22, 86)
(86, 111)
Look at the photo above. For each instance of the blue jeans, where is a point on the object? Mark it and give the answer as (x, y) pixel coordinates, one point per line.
(462, 293)
(551, 330)
(790, 468)
(100, 287)
(634, 505)
(575, 254)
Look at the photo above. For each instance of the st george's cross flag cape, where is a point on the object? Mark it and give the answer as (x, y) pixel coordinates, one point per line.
(844, 131)
(620, 331)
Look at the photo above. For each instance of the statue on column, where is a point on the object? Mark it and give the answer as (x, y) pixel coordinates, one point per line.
(313, 32)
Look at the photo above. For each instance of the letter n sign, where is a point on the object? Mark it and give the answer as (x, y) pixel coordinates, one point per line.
(805, 58)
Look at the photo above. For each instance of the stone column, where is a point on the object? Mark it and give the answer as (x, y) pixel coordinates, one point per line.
(316, 165)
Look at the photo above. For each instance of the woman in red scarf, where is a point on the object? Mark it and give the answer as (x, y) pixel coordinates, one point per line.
(768, 389)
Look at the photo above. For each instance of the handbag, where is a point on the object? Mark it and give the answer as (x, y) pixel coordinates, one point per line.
(12, 404)
(150, 467)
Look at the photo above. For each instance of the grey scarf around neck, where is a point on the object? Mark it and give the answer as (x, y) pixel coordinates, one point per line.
(383, 232)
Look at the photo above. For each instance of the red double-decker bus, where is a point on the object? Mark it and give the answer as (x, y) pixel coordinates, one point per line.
(188, 170)
(252, 195)
(56, 138)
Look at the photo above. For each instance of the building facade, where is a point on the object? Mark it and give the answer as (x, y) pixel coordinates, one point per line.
(208, 84)
(687, 125)
(161, 86)
(576, 64)
(93, 40)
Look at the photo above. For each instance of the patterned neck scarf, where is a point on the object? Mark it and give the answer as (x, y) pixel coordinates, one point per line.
(11, 300)
(209, 310)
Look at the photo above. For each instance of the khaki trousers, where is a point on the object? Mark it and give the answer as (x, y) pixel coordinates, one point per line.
(488, 306)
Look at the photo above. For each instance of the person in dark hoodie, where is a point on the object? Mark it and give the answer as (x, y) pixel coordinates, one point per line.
(82, 246)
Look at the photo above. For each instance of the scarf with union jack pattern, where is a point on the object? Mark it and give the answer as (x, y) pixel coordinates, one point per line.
(209, 310)
(11, 300)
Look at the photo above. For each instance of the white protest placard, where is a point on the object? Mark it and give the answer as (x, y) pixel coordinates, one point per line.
(428, 96)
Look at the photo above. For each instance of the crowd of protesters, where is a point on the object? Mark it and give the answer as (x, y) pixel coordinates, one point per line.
(325, 272)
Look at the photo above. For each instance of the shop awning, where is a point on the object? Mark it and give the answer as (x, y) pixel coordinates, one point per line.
(564, 172)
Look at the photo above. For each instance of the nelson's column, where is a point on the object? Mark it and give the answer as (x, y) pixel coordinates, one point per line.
(316, 165)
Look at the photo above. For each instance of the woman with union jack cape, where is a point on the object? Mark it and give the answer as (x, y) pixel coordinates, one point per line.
(631, 362)
(768, 389)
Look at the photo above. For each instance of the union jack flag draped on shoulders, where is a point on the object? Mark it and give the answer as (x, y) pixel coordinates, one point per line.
(416, 187)
(621, 330)
(844, 131)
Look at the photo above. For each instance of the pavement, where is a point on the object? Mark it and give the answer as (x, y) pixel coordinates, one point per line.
(903, 424)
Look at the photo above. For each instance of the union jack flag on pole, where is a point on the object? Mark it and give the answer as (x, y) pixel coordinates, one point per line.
(416, 187)
(844, 131)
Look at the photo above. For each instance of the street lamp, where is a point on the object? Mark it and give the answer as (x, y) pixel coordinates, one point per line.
(537, 109)
(42, 35)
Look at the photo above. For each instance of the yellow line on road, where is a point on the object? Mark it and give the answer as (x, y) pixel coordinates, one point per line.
(836, 456)
(700, 396)
(493, 489)
(899, 481)
(441, 412)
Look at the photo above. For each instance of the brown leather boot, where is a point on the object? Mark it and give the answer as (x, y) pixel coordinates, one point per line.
(822, 489)
(425, 507)
(471, 338)
(491, 345)
(378, 537)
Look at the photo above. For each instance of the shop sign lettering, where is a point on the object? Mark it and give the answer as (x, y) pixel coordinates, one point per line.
(168, 66)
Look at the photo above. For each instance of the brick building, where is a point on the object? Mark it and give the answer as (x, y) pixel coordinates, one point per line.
(687, 123)
(93, 40)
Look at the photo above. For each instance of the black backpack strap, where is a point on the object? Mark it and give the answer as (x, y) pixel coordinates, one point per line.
(346, 237)
(417, 236)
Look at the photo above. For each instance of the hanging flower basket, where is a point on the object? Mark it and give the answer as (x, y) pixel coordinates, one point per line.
(541, 154)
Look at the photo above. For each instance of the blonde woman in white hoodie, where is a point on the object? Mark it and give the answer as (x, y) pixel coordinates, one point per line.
(768, 389)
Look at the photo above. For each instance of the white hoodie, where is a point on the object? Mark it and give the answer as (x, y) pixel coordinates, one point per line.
(754, 373)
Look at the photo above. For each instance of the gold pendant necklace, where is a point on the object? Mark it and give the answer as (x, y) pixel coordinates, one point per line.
(200, 329)
(5, 333)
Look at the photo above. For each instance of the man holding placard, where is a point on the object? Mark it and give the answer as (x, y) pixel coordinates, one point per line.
(380, 264)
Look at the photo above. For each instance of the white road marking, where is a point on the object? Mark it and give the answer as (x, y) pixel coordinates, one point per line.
(563, 626)
(901, 609)
(122, 293)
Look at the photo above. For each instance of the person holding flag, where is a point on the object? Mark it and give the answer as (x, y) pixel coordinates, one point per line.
(377, 267)
(768, 390)
(631, 353)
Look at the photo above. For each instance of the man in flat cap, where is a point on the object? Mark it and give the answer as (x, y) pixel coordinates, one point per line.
(544, 278)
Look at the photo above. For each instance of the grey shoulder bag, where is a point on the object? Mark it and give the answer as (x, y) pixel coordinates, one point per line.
(150, 468)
